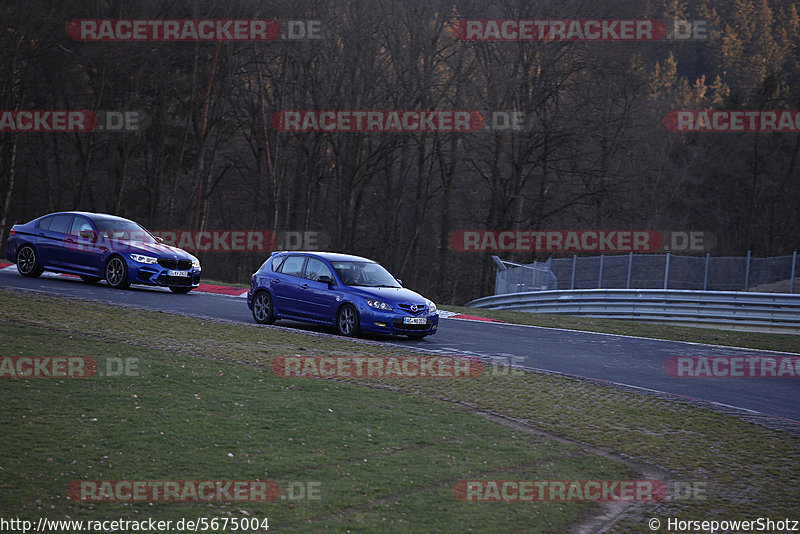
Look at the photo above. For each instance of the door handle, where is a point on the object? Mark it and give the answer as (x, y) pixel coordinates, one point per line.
(304, 286)
(276, 281)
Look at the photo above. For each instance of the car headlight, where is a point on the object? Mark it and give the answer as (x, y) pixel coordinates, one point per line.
(431, 306)
(195, 263)
(143, 259)
(378, 305)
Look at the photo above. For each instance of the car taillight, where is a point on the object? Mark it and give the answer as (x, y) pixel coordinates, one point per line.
(12, 232)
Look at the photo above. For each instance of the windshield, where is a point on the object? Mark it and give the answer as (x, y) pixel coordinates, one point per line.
(124, 231)
(362, 273)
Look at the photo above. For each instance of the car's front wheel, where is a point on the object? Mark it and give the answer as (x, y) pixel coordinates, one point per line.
(263, 311)
(180, 290)
(347, 321)
(28, 262)
(117, 273)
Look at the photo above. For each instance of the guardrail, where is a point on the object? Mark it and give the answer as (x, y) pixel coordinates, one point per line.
(777, 312)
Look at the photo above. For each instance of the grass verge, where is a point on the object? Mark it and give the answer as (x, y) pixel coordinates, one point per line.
(386, 453)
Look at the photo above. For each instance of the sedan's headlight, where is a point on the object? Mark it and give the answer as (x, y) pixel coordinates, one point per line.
(378, 305)
(195, 263)
(431, 306)
(143, 259)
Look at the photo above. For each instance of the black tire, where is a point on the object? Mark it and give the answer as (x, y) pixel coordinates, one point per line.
(28, 262)
(347, 322)
(117, 273)
(90, 279)
(180, 290)
(263, 310)
(416, 336)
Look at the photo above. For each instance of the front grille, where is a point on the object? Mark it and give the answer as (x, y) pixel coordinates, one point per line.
(170, 263)
(421, 308)
(400, 325)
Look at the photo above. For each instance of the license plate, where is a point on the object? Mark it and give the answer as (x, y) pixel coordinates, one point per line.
(414, 320)
(178, 273)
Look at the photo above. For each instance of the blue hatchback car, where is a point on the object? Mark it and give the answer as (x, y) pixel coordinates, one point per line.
(353, 294)
(98, 246)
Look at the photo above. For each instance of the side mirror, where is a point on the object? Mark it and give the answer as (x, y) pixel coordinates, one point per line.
(326, 280)
(88, 234)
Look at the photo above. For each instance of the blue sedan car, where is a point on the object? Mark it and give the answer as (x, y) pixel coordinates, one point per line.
(97, 246)
(353, 294)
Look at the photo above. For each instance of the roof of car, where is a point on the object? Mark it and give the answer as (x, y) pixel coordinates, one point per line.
(330, 256)
(91, 215)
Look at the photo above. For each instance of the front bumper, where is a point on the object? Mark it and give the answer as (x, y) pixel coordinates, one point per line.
(155, 275)
(380, 322)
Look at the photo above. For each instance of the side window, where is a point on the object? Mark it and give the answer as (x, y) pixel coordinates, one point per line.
(79, 224)
(44, 224)
(293, 265)
(61, 223)
(316, 268)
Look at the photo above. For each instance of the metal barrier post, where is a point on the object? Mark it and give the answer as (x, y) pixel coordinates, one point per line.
(666, 272)
(630, 264)
(705, 276)
(747, 272)
(600, 277)
(574, 261)
(794, 266)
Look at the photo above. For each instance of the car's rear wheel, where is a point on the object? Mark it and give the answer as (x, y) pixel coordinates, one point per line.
(263, 311)
(90, 279)
(180, 290)
(117, 273)
(347, 321)
(28, 262)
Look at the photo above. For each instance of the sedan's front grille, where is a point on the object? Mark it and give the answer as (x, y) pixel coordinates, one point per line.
(421, 308)
(170, 263)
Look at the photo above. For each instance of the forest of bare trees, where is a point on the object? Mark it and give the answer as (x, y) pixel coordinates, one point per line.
(594, 152)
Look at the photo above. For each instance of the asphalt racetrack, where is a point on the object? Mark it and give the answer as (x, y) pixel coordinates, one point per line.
(629, 361)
